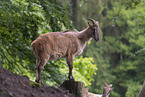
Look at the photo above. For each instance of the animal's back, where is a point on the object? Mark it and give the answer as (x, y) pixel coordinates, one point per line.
(55, 44)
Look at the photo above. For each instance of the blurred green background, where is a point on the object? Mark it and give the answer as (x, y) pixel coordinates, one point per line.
(118, 58)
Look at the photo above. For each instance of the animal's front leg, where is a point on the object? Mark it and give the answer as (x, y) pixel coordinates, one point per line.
(70, 76)
(70, 65)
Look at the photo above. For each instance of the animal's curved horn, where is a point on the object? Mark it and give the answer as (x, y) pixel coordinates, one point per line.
(92, 20)
(89, 24)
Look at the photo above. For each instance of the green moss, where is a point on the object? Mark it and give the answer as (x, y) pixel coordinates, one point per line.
(35, 84)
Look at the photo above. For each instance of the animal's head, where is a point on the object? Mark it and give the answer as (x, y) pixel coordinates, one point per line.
(107, 89)
(95, 29)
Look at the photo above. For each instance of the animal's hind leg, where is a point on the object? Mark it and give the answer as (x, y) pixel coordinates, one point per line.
(36, 68)
(39, 69)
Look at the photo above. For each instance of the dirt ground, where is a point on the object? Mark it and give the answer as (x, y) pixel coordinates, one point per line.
(13, 85)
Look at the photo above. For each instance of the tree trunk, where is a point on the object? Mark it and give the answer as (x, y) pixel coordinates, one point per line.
(74, 13)
(77, 88)
(142, 91)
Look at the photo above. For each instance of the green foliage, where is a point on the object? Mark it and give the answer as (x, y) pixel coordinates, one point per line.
(96, 50)
(83, 71)
(56, 14)
(17, 29)
(133, 89)
(126, 41)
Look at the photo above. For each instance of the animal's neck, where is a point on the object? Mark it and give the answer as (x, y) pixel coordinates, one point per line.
(85, 35)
